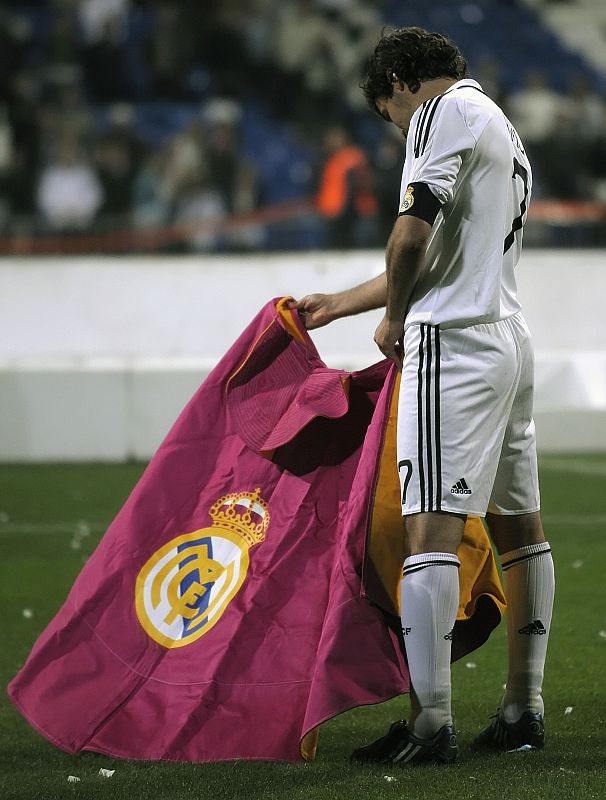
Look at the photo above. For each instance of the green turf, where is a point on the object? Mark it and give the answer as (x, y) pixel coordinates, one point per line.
(51, 517)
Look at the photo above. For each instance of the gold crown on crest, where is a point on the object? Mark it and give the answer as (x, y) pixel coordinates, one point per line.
(235, 512)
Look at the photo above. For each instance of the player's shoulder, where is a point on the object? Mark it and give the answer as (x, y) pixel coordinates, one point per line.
(426, 120)
(453, 109)
(468, 98)
(473, 106)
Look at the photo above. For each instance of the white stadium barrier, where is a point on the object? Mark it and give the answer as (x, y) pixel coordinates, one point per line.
(99, 354)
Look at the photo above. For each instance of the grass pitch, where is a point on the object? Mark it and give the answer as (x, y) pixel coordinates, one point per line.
(51, 518)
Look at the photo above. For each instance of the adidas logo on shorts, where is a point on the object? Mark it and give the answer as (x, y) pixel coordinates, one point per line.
(535, 628)
(460, 487)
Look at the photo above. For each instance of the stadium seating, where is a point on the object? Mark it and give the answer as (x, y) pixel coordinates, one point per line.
(511, 34)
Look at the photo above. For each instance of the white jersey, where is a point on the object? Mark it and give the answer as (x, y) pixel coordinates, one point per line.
(464, 149)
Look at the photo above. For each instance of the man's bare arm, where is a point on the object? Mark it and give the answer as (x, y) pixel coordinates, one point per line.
(394, 287)
(320, 309)
(404, 257)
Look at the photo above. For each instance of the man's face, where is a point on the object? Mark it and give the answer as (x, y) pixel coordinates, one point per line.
(400, 107)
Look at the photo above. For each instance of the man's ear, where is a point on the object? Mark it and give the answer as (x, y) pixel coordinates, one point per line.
(393, 78)
(396, 82)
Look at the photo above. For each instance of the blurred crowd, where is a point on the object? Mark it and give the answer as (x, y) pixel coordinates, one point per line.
(75, 158)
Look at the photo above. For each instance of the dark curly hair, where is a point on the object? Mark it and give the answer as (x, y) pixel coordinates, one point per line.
(412, 55)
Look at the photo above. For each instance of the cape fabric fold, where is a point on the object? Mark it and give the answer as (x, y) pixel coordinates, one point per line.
(246, 592)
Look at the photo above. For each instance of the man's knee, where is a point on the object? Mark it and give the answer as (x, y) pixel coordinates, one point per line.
(433, 532)
(509, 532)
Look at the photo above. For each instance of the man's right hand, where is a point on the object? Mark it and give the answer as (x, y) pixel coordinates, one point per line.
(316, 310)
(319, 309)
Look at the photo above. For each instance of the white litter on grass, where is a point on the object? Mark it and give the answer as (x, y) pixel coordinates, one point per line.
(523, 749)
(389, 778)
(73, 779)
(471, 665)
(602, 634)
(567, 710)
(577, 564)
(472, 778)
(82, 529)
(27, 613)
(106, 773)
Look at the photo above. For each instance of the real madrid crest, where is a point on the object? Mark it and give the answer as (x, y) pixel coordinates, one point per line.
(185, 587)
(409, 199)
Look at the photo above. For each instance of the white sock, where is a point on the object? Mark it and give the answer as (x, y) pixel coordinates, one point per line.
(529, 589)
(429, 600)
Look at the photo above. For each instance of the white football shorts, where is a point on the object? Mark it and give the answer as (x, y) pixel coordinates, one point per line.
(466, 437)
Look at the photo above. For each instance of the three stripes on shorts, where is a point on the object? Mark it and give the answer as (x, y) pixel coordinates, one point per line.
(428, 419)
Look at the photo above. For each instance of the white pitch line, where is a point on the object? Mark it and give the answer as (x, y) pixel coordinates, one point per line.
(576, 466)
(71, 528)
(572, 520)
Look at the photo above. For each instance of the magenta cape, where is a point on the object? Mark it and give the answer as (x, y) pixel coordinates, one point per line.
(244, 593)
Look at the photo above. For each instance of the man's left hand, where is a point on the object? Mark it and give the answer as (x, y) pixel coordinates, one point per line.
(388, 338)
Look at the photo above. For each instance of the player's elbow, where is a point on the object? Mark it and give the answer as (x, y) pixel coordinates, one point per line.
(409, 246)
(410, 235)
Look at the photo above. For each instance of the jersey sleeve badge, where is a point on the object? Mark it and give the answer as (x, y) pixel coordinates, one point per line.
(409, 199)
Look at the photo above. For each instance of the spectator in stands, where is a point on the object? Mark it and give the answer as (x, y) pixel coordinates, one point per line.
(64, 45)
(15, 37)
(359, 26)
(122, 128)
(151, 207)
(220, 119)
(592, 107)
(220, 29)
(165, 174)
(18, 190)
(6, 160)
(75, 114)
(534, 108)
(69, 193)
(231, 174)
(387, 164)
(586, 109)
(306, 44)
(171, 52)
(94, 16)
(104, 62)
(171, 181)
(535, 111)
(119, 154)
(24, 96)
(116, 174)
(487, 72)
(199, 208)
(224, 162)
(345, 196)
(576, 125)
(6, 139)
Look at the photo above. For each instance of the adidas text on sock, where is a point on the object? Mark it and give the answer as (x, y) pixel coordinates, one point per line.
(429, 600)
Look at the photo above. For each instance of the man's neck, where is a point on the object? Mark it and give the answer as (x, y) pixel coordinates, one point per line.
(433, 88)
